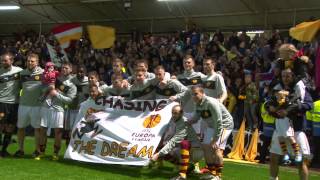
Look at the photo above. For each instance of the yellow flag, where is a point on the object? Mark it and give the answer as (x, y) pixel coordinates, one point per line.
(305, 31)
(237, 150)
(252, 150)
(101, 37)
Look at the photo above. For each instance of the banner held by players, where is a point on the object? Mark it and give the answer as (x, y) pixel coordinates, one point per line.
(116, 131)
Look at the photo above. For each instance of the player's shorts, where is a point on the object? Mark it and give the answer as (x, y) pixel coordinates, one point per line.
(8, 113)
(51, 118)
(284, 127)
(70, 117)
(221, 142)
(301, 139)
(28, 115)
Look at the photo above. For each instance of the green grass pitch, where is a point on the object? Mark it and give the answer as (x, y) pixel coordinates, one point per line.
(46, 169)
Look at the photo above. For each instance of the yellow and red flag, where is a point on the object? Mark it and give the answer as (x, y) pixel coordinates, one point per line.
(237, 150)
(65, 33)
(252, 150)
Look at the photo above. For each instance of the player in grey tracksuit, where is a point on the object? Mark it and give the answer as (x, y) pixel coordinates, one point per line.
(164, 88)
(184, 135)
(93, 79)
(29, 104)
(80, 80)
(9, 97)
(219, 127)
(118, 89)
(142, 88)
(189, 78)
(213, 83)
(52, 112)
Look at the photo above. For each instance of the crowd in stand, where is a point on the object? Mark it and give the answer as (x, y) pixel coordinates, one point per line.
(233, 53)
(247, 64)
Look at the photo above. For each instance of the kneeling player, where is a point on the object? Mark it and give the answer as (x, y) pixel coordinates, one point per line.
(184, 135)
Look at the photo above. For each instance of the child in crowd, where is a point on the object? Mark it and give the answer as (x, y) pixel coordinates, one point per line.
(250, 101)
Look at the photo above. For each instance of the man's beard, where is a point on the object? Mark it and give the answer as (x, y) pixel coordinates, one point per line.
(6, 66)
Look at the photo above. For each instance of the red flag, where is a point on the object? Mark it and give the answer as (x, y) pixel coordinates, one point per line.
(65, 33)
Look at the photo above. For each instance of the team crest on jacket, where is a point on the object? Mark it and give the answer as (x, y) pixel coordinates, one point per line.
(205, 114)
(194, 81)
(16, 76)
(167, 92)
(148, 90)
(152, 121)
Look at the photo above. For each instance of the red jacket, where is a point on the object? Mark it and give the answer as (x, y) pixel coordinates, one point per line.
(50, 77)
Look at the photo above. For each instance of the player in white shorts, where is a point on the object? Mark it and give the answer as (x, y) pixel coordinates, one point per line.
(29, 105)
(219, 126)
(276, 152)
(283, 125)
(222, 140)
(295, 111)
(281, 101)
(51, 118)
(189, 78)
(213, 85)
(301, 139)
(52, 111)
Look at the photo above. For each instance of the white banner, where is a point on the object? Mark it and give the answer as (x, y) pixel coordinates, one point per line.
(115, 131)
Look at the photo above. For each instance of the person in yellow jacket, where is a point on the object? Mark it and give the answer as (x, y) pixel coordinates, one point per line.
(316, 119)
(268, 128)
(313, 119)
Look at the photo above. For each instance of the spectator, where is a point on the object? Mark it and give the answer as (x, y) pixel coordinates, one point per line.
(250, 101)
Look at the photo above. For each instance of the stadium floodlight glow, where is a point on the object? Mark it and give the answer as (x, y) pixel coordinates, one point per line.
(170, 0)
(11, 7)
(252, 32)
(255, 32)
(95, 1)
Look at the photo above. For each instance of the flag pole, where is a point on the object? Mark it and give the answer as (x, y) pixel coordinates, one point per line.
(40, 30)
(151, 25)
(294, 17)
